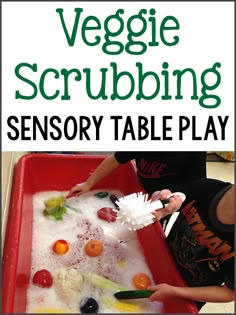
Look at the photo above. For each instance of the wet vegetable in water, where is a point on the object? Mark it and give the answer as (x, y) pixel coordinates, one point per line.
(113, 199)
(141, 281)
(133, 294)
(103, 283)
(57, 214)
(43, 278)
(60, 247)
(93, 248)
(107, 214)
(69, 282)
(89, 305)
(101, 194)
(52, 204)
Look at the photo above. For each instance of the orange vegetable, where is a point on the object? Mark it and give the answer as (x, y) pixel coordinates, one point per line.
(93, 248)
(60, 247)
(141, 281)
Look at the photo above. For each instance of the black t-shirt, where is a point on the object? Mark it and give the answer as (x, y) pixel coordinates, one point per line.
(203, 247)
(160, 170)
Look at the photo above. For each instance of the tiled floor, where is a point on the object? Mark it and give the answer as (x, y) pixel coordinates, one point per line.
(214, 308)
(219, 170)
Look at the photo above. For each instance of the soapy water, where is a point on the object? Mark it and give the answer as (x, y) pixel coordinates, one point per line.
(120, 260)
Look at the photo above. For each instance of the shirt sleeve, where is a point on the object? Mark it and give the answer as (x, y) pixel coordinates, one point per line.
(124, 157)
(212, 211)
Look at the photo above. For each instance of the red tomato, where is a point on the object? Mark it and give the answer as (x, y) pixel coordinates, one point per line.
(43, 278)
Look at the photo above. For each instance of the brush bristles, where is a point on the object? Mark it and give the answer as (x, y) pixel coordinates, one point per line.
(134, 211)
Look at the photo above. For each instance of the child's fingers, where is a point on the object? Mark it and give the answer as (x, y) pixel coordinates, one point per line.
(71, 194)
(77, 188)
(152, 287)
(160, 195)
(175, 203)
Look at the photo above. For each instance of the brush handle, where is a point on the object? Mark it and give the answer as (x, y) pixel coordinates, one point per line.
(70, 207)
(72, 194)
(160, 204)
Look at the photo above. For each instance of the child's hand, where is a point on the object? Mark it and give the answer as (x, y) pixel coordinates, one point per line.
(174, 205)
(160, 195)
(79, 189)
(162, 292)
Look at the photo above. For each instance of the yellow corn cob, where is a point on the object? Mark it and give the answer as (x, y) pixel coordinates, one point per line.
(123, 307)
(51, 310)
(126, 307)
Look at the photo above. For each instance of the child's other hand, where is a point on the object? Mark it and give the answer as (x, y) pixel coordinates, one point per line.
(79, 189)
(160, 195)
(174, 205)
(162, 292)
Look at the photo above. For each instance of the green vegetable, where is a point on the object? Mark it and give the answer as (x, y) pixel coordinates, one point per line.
(101, 194)
(57, 214)
(103, 283)
(133, 294)
(54, 207)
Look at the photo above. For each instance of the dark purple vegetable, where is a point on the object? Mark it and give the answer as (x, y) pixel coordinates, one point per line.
(89, 305)
(113, 199)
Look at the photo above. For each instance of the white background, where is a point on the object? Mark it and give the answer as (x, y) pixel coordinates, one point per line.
(32, 33)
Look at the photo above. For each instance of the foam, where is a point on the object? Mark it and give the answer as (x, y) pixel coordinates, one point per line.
(121, 259)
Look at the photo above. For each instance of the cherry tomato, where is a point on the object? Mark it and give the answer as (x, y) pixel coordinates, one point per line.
(141, 281)
(93, 248)
(60, 247)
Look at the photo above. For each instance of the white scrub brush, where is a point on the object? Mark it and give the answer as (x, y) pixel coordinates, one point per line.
(136, 210)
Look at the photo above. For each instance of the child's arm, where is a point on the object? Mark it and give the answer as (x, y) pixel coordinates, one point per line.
(105, 168)
(218, 294)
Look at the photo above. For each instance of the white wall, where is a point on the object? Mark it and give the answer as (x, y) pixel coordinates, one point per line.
(8, 161)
